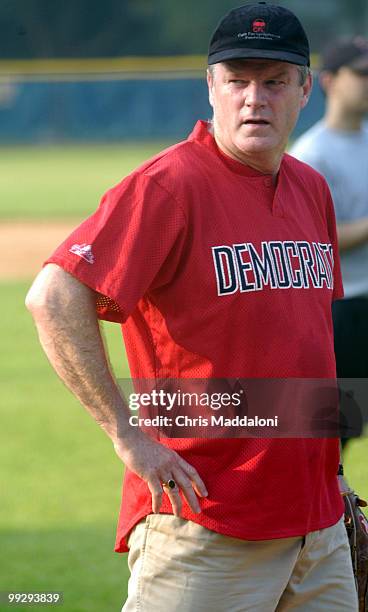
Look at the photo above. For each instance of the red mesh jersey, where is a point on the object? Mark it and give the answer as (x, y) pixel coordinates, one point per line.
(215, 272)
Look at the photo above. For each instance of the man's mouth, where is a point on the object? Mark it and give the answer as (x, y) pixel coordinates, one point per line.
(256, 122)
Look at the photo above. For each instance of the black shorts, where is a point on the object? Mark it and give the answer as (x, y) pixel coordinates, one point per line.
(350, 319)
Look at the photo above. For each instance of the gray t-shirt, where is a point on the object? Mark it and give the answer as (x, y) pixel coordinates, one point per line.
(342, 158)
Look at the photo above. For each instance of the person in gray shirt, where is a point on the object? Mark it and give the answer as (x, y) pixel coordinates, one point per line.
(337, 146)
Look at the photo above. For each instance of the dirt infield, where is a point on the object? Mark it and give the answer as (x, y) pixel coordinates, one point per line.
(25, 245)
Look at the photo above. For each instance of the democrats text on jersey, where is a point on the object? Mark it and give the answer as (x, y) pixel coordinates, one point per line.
(278, 265)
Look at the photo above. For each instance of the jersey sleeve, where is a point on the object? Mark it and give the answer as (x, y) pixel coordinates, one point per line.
(131, 245)
(338, 291)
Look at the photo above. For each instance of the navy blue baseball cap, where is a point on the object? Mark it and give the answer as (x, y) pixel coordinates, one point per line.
(260, 31)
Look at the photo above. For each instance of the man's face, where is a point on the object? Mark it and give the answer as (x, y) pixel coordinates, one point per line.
(350, 90)
(256, 104)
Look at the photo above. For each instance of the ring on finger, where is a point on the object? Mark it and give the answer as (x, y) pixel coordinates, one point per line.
(169, 484)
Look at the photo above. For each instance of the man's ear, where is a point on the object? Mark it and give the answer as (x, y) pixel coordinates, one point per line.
(210, 79)
(325, 80)
(306, 91)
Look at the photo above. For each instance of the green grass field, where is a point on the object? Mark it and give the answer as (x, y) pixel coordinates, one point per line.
(61, 479)
(62, 182)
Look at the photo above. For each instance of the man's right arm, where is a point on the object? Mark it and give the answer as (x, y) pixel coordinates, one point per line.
(65, 316)
(352, 234)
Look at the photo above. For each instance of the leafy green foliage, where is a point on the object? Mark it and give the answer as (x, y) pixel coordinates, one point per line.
(90, 28)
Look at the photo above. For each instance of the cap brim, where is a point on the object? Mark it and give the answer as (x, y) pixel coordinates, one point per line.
(281, 56)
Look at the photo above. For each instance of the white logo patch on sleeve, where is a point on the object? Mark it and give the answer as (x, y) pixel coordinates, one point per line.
(83, 250)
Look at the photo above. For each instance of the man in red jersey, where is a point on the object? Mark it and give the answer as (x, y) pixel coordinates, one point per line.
(219, 258)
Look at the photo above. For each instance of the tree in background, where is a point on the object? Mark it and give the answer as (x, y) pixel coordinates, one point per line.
(110, 28)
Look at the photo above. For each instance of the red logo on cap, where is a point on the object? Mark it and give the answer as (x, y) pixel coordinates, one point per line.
(258, 25)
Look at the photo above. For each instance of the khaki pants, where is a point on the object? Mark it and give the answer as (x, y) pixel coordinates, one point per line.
(179, 566)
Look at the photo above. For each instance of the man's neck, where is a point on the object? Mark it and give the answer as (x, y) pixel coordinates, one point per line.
(340, 119)
(266, 164)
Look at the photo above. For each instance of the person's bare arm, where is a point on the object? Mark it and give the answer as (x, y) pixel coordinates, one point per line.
(353, 234)
(65, 316)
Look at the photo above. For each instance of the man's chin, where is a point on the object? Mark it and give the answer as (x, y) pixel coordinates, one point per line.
(256, 144)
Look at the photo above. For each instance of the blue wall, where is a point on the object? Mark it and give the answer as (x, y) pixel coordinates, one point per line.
(112, 110)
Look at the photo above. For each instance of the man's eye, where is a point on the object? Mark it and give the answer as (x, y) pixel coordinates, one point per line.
(275, 82)
(237, 81)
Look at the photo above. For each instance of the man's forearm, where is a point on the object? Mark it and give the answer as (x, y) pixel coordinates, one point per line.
(70, 336)
(65, 316)
(352, 235)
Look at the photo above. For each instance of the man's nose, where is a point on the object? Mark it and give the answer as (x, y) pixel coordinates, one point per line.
(254, 95)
